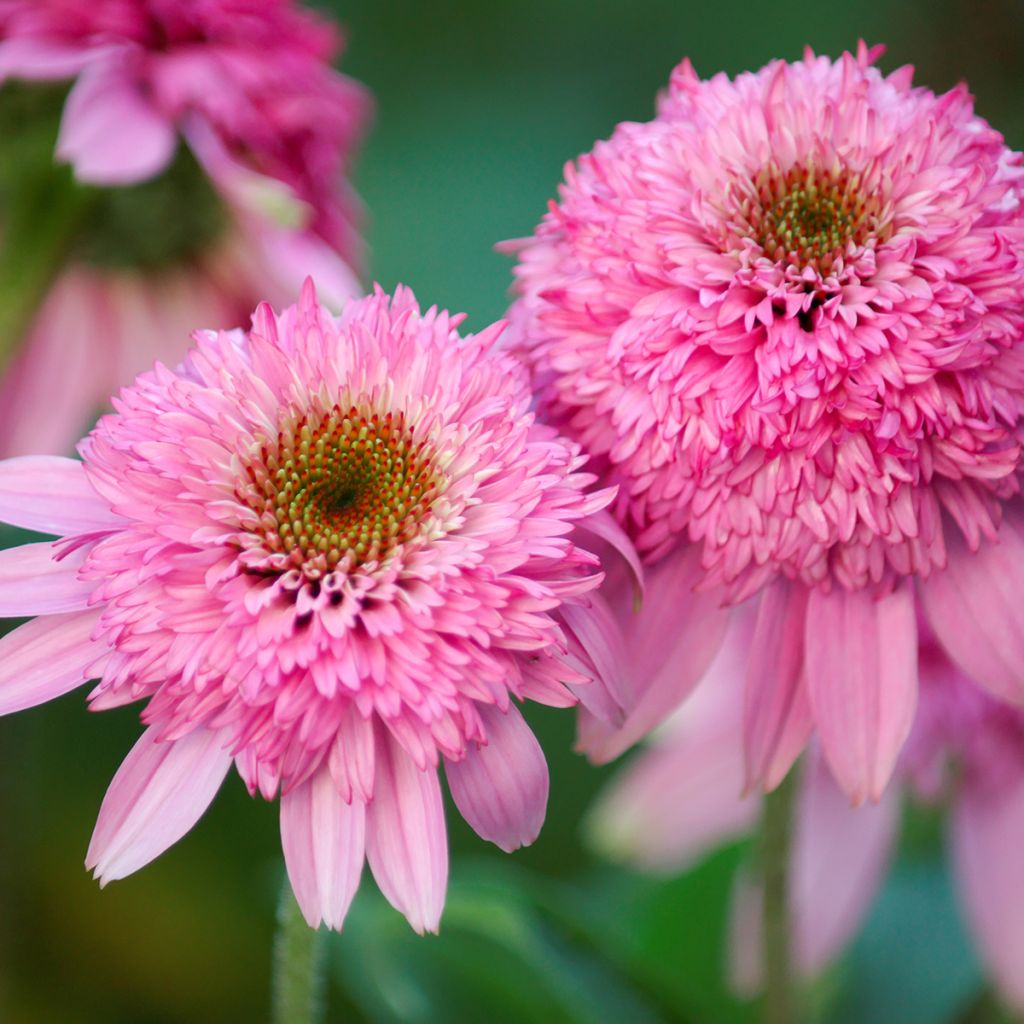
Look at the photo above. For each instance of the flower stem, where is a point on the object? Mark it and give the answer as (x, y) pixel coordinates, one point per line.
(778, 1006)
(298, 981)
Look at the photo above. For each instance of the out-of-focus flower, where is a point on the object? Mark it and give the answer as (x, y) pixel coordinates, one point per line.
(173, 234)
(785, 318)
(329, 551)
(682, 797)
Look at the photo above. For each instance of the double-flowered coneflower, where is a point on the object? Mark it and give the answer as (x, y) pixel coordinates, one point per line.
(329, 552)
(785, 317)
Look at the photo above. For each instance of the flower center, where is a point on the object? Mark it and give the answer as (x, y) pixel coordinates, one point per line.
(345, 488)
(808, 216)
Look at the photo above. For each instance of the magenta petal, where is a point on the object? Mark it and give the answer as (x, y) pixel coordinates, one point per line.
(51, 494)
(777, 718)
(976, 608)
(33, 583)
(323, 838)
(839, 859)
(670, 644)
(987, 839)
(160, 791)
(110, 133)
(46, 658)
(501, 789)
(861, 671)
(406, 843)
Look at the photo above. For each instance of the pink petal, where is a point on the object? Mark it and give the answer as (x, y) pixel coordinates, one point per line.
(976, 608)
(160, 791)
(603, 526)
(861, 671)
(777, 718)
(597, 632)
(110, 133)
(324, 841)
(987, 838)
(33, 583)
(46, 658)
(51, 494)
(41, 59)
(671, 641)
(405, 835)
(501, 789)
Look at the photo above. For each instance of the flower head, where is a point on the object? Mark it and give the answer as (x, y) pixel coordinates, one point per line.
(330, 551)
(785, 318)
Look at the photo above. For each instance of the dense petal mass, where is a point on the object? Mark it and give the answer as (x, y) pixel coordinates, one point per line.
(784, 317)
(333, 552)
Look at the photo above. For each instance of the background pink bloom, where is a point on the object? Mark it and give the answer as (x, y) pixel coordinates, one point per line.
(784, 316)
(328, 552)
(683, 797)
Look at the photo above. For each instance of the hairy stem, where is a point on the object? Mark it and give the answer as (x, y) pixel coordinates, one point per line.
(298, 980)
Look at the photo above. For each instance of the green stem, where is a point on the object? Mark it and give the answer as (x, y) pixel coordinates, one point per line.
(778, 1006)
(298, 980)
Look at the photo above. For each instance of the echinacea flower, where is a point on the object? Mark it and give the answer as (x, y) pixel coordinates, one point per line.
(784, 317)
(151, 229)
(329, 551)
(681, 798)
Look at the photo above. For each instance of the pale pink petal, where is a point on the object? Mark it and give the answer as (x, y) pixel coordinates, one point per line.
(42, 59)
(406, 843)
(296, 255)
(777, 718)
(501, 789)
(46, 658)
(976, 608)
(987, 839)
(603, 526)
(600, 636)
(32, 582)
(111, 133)
(671, 642)
(323, 838)
(861, 671)
(160, 791)
(51, 494)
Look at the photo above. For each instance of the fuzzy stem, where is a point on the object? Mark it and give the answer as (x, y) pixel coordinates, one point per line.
(778, 1006)
(298, 980)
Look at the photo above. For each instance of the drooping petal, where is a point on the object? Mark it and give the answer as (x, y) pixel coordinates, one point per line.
(406, 843)
(32, 582)
(110, 133)
(599, 635)
(323, 838)
(42, 59)
(46, 658)
(603, 526)
(160, 791)
(671, 642)
(501, 789)
(976, 608)
(987, 837)
(777, 718)
(861, 671)
(51, 494)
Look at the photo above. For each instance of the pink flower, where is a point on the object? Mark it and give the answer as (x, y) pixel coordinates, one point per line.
(329, 552)
(784, 317)
(250, 88)
(680, 799)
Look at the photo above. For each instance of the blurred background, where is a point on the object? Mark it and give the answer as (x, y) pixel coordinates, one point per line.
(479, 104)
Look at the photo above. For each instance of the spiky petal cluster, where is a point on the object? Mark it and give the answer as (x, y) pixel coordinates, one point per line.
(682, 797)
(329, 551)
(785, 316)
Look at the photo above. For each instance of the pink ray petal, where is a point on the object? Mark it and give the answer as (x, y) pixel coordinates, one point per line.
(160, 791)
(42, 59)
(110, 133)
(51, 494)
(987, 837)
(976, 608)
(861, 670)
(406, 843)
(46, 658)
(501, 789)
(777, 718)
(32, 582)
(323, 838)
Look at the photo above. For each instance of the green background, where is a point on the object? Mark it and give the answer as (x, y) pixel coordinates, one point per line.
(478, 107)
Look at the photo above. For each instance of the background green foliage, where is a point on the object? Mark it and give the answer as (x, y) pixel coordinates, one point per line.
(479, 105)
